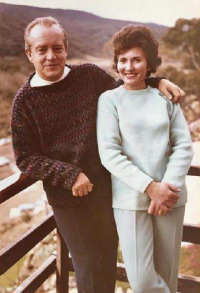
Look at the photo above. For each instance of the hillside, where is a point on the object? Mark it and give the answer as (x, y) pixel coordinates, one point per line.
(87, 32)
(89, 41)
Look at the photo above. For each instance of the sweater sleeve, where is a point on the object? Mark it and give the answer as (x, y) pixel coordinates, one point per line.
(28, 155)
(182, 151)
(110, 147)
(102, 80)
(105, 81)
(154, 81)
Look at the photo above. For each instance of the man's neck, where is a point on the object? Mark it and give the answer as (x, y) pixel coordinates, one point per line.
(37, 80)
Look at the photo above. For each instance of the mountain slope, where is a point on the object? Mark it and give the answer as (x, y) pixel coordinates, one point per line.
(87, 32)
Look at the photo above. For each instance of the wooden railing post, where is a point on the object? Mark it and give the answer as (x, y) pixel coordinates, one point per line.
(62, 265)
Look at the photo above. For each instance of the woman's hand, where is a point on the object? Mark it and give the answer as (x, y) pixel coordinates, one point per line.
(170, 90)
(163, 196)
(155, 209)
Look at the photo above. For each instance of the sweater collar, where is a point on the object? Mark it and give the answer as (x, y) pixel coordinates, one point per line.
(37, 81)
(135, 92)
(56, 85)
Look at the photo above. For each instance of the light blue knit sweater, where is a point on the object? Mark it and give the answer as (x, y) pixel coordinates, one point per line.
(142, 136)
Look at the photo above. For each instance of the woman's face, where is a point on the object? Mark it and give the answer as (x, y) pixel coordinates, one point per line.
(132, 66)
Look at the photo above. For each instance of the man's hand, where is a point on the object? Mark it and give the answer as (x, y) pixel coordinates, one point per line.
(163, 195)
(170, 90)
(82, 185)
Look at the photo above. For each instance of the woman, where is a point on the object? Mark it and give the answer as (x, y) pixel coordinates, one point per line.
(145, 143)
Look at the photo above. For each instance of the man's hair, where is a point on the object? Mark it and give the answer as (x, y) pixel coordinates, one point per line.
(46, 22)
(137, 36)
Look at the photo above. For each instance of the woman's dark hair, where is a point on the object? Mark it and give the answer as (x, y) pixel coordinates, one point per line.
(137, 36)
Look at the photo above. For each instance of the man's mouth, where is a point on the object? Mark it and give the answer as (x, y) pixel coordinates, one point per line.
(51, 65)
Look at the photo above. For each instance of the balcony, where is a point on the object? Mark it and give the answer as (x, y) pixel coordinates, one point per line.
(60, 262)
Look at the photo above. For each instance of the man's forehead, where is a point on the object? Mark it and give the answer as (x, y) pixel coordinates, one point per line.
(40, 30)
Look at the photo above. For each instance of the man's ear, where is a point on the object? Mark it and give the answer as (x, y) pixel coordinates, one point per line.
(66, 50)
(29, 55)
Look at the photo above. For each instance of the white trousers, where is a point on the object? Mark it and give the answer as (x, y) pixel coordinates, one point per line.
(151, 248)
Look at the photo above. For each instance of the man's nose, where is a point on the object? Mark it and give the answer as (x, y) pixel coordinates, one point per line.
(50, 55)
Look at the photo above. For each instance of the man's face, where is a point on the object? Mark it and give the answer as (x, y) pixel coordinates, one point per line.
(47, 51)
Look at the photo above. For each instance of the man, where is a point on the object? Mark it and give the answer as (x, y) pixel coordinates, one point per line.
(54, 139)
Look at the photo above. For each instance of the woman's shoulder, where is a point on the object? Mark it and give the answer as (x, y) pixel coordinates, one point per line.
(159, 94)
(109, 100)
(111, 95)
(163, 99)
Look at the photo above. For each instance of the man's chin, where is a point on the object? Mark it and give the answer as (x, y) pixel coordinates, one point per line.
(52, 75)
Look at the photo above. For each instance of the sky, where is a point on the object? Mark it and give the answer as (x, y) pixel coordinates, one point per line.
(164, 12)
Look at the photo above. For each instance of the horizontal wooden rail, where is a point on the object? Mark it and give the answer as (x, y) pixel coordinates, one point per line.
(13, 185)
(194, 171)
(32, 283)
(191, 234)
(15, 250)
(186, 284)
(18, 182)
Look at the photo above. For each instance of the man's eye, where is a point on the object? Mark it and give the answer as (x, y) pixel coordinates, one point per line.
(122, 60)
(58, 49)
(41, 50)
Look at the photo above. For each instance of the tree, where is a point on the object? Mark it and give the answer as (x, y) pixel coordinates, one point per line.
(185, 37)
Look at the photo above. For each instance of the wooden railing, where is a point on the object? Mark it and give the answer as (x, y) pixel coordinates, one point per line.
(61, 262)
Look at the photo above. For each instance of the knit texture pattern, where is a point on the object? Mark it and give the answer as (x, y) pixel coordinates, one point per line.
(54, 133)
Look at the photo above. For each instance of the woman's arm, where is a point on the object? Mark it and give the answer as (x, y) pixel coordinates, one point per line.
(110, 149)
(112, 157)
(182, 151)
(179, 160)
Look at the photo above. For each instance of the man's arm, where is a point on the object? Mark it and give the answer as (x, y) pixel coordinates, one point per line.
(28, 156)
(169, 89)
(105, 81)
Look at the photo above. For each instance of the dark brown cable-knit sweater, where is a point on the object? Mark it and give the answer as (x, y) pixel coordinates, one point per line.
(54, 133)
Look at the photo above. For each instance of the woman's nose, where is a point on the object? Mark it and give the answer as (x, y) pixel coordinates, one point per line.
(129, 65)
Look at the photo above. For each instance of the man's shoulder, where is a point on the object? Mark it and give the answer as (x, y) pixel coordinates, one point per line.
(94, 76)
(24, 91)
(87, 68)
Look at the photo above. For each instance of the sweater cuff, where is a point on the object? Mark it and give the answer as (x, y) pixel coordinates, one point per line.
(147, 184)
(69, 181)
(142, 183)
